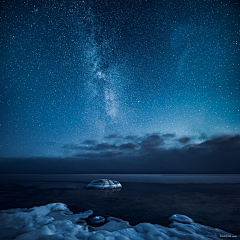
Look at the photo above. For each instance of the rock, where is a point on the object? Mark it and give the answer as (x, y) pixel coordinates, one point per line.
(104, 184)
(181, 218)
(97, 219)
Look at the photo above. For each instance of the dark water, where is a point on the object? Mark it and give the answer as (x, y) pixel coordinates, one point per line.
(147, 200)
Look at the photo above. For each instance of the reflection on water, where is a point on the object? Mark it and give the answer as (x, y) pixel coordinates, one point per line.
(105, 191)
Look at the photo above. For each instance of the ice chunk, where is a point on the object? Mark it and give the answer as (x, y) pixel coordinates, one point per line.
(122, 238)
(97, 219)
(104, 184)
(114, 224)
(40, 221)
(180, 218)
(96, 236)
(55, 222)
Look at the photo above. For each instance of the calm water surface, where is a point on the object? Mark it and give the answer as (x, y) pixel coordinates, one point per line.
(212, 200)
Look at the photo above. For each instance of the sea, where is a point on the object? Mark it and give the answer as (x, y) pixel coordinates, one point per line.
(209, 199)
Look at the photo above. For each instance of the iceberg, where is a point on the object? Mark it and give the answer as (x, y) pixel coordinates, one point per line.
(104, 184)
(56, 222)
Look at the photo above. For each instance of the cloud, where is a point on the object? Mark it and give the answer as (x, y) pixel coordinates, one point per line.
(93, 147)
(89, 142)
(226, 142)
(112, 136)
(99, 155)
(147, 155)
(127, 146)
(103, 147)
(71, 146)
(169, 135)
(203, 136)
(184, 139)
(150, 142)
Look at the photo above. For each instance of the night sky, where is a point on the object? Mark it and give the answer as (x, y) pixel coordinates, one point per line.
(142, 85)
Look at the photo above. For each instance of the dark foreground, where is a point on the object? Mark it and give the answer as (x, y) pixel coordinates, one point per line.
(216, 205)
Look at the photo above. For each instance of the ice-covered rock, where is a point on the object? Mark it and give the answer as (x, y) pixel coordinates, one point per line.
(180, 218)
(55, 222)
(104, 184)
(97, 219)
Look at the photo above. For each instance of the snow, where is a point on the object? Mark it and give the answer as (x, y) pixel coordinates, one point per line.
(97, 219)
(56, 222)
(180, 218)
(104, 184)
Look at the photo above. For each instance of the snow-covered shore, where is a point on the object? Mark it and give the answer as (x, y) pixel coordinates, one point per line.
(55, 221)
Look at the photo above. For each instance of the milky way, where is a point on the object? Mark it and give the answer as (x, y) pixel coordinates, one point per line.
(115, 73)
(103, 82)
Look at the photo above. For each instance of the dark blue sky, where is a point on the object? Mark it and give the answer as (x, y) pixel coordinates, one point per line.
(80, 75)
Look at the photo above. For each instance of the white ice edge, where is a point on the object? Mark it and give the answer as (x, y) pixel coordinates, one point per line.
(55, 221)
(104, 184)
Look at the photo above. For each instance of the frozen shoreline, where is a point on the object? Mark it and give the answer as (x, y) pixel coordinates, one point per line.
(56, 221)
(215, 204)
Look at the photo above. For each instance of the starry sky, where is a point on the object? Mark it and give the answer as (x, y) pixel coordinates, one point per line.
(114, 79)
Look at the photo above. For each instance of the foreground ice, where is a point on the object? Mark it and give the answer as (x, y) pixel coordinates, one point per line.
(55, 221)
(104, 184)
